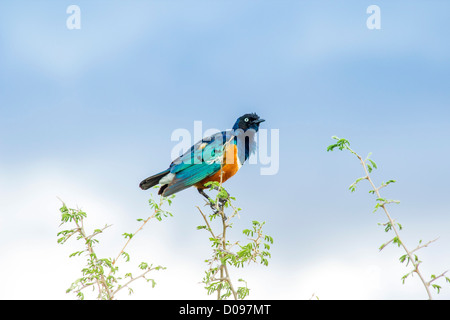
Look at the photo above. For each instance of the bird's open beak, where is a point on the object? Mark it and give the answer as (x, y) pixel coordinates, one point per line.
(259, 121)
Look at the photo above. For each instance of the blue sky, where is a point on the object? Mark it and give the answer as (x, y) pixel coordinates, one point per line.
(86, 114)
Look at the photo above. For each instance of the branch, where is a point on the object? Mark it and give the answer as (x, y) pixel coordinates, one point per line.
(424, 245)
(344, 144)
(132, 280)
(207, 223)
(439, 276)
(102, 281)
(393, 226)
(129, 238)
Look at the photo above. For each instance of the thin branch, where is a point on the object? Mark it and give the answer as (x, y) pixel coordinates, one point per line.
(132, 280)
(218, 209)
(224, 265)
(98, 232)
(129, 239)
(102, 281)
(385, 244)
(439, 276)
(207, 223)
(424, 245)
(394, 228)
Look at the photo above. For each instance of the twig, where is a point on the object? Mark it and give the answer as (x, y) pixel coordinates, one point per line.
(131, 280)
(224, 265)
(342, 143)
(222, 250)
(383, 206)
(129, 239)
(207, 223)
(424, 245)
(439, 276)
(102, 281)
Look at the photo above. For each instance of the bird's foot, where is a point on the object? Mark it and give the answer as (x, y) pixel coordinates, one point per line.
(214, 208)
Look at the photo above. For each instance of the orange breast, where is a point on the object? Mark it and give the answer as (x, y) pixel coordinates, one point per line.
(229, 167)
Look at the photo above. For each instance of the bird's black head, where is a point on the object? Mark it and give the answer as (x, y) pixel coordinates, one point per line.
(248, 121)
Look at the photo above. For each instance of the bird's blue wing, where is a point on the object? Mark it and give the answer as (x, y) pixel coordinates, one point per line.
(201, 161)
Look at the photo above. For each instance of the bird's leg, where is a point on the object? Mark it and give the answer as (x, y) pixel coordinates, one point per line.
(222, 202)
(205, 195)
(223, 197)
(210, 201)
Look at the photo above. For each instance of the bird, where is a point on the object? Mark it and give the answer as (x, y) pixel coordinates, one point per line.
(214, 158)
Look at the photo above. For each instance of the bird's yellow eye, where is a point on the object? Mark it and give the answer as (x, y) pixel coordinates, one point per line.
(246, 119)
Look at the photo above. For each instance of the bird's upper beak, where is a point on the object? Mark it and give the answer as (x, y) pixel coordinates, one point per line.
(259, 121)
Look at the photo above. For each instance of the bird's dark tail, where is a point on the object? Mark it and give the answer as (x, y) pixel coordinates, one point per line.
(153, 180)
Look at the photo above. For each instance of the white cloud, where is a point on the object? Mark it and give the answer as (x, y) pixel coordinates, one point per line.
(34, 266)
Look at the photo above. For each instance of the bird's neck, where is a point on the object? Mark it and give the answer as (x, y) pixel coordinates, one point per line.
(246, 144)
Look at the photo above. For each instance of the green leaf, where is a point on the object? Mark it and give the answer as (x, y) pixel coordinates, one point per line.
(126, 256)
(340, 144)
(143, 266)
(127, 235)
(405, 276)
(377, 206)
(153, 282)
(373, 164)
(388, 227)
(268, 239)
(397, 241)
(76, 253)
(437, 287)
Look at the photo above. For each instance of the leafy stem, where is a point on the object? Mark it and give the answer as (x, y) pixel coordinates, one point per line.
(217, 278)
(368, 166)
(95, 273)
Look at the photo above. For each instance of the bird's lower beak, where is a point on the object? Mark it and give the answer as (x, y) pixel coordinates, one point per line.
(259, 121)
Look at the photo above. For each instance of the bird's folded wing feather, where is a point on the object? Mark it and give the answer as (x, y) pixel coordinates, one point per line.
(202, 160)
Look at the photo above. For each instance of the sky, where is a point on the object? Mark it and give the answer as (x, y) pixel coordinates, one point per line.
(86, 114)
